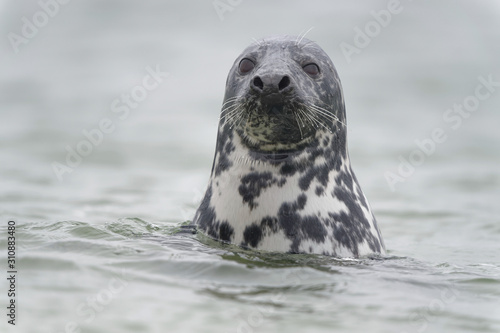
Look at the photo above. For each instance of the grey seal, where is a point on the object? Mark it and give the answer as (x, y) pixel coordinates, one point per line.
(281, 178)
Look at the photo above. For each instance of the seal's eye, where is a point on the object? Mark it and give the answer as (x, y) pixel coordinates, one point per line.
(246, 65)
(311, 69)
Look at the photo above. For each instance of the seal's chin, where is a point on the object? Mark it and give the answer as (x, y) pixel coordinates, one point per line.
(275, 156)
(275, 129)
(274, 148)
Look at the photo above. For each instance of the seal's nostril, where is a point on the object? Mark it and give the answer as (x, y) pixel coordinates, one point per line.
(257, 82)
(285, 82)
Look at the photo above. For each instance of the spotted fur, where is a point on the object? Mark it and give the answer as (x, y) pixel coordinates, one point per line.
(281, 178)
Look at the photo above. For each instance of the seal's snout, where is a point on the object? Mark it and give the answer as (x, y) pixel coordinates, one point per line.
(271, 84)
(271, 89)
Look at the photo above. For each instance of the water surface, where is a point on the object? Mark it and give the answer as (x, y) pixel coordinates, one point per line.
(101, 251)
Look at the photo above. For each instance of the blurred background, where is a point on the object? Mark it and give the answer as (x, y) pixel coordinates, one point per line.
(67, 67)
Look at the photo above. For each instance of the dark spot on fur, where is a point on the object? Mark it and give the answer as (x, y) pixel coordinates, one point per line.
(345, 179)
(301, 201)
(205, 215)
(282, 181)
(319, 190)
(314, 154)
(288, 169)
(312, 228)
(270, 223)
(226, 231)
(252, 235)
(343, 236)
(299, 228)
(305, 180)
(253, 183)
(229, 147)
(352, 228)
(359, 193)
(224, 139)
(319, 172)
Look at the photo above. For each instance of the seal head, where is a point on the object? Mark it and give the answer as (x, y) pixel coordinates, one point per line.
(281, 178)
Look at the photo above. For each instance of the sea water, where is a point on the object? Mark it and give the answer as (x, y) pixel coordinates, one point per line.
(103, 163)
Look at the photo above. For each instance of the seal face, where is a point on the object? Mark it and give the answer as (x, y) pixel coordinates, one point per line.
(281, 178)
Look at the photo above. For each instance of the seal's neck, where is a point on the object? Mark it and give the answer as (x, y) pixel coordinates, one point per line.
(325, 148)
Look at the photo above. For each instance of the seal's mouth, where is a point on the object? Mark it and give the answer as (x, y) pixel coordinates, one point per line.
(275, 156)
(276, 123)
(276, 110)
(275, 127)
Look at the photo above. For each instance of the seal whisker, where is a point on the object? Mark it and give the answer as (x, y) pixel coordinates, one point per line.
(230, 100)
(256, 41)
(311, 115)
(300, 38)
(327, 114)
(236, 117)
(319, 103)
(323, 112)
(232, 112)
(227, 114)
(317, 121)
(240, 119)
(299, 120)
(303, 116)
(231, 118)
(308, 116)
(323, 119)
(229, 109)
(311, 43)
